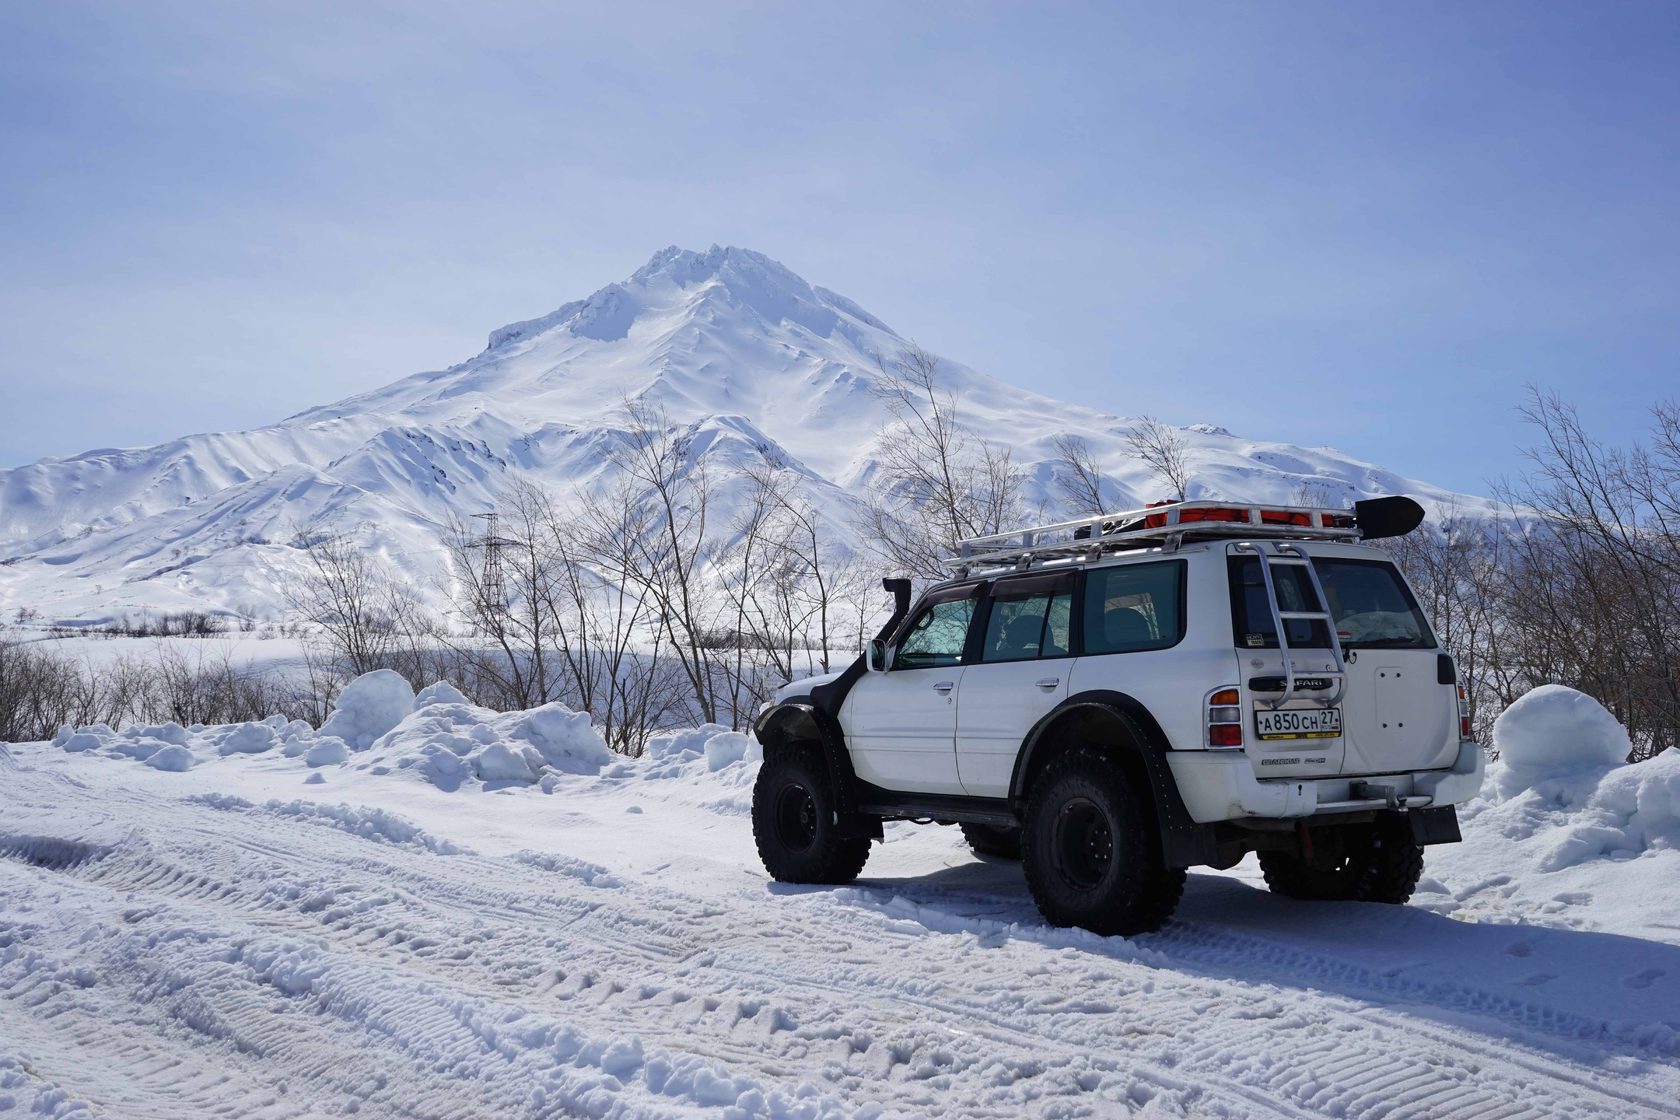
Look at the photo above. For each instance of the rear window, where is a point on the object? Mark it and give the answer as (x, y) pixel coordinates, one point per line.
(1251, 618)
(1372, 606)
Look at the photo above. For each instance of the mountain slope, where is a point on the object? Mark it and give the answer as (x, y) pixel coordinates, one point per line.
(728, 341)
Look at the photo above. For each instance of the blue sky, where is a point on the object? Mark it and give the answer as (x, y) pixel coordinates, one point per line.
(1358, 225)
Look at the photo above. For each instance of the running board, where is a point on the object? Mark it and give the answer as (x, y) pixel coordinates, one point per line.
(889, 805)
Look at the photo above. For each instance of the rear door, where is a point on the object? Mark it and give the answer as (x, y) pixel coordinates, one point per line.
(1295, 751)
(1022, 670)
(1400, 715)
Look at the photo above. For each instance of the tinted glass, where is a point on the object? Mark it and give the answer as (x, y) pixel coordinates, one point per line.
(1136, 607)
(937, 636)
(1372, 606)
(1251, 618)
(1027, 623)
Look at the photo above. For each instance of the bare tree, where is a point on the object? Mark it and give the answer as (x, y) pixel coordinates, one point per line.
(787, 585)
(1079, 481)
(938, 483)
(1162, 447)
(1601, 592)
(362, 610)
(663, 542)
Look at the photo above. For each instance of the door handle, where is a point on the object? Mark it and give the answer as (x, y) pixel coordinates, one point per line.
(944, 686)
(1049, 682)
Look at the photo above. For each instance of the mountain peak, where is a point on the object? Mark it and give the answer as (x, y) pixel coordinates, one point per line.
(685, 267)
(742, 281)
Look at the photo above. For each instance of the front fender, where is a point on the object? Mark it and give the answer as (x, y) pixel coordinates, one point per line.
(801, 719)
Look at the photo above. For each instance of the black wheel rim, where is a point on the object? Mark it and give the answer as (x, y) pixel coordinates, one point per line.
(796, 817)
(1082, 844)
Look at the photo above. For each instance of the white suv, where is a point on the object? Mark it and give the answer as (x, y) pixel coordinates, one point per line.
(1117, 699)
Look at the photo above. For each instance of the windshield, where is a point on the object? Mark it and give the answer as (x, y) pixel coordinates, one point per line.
(1371, 605)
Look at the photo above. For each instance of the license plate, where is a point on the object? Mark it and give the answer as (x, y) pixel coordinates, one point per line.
(1299, 723)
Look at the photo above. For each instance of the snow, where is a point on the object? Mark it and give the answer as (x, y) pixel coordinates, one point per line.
(753, 362)
(369, 706)
(268, 934)
(173, 758)
(325, 751)
(1554, 731)
(247, 738)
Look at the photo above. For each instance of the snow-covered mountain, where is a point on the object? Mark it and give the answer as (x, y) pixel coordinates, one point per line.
(757, 361)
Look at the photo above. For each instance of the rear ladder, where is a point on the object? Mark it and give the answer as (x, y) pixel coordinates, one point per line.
(1284, 555)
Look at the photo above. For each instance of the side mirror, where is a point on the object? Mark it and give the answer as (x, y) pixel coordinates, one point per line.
(875, 656)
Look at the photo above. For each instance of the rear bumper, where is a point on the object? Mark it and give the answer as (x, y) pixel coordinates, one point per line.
(1221, 786)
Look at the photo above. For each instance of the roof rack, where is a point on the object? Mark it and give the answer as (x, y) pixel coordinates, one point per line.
(1163, 525)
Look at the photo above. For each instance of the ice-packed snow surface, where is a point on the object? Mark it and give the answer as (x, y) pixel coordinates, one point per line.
(756, 365)
(486, 914)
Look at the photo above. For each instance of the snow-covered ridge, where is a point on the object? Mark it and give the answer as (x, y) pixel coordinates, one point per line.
(728, 341)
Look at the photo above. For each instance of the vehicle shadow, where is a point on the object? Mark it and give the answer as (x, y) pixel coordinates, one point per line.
(1584, 994)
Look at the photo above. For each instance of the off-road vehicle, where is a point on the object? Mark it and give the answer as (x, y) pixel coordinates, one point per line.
(1116, 699)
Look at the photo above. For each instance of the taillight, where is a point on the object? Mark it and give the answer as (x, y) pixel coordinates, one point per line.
(1464, 733)
(1224, 718)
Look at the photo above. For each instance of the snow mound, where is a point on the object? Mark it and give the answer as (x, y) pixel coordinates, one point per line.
(90, 738)
(440, 693)
(370, 706)
(731, 747)
(248, 738)
(447, 741)
(326, 751)
(1630, 811)
(567, 740)
(1553, 732)
(164, 732)
(682, 745)
(174, 758)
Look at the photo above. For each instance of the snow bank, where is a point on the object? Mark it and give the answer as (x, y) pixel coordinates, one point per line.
(1554, 732)
(1564, 827)
(380, 727)
(369, 706)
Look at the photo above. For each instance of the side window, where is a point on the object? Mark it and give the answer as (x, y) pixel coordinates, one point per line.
(1251, 618)
(936, 636)
(1029, 618)
(1136, 607)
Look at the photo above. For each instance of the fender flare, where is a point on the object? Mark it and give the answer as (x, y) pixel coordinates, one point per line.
(771, 731)
(1184, 843)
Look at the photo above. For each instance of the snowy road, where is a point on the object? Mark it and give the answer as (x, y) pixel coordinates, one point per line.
(169, 951)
